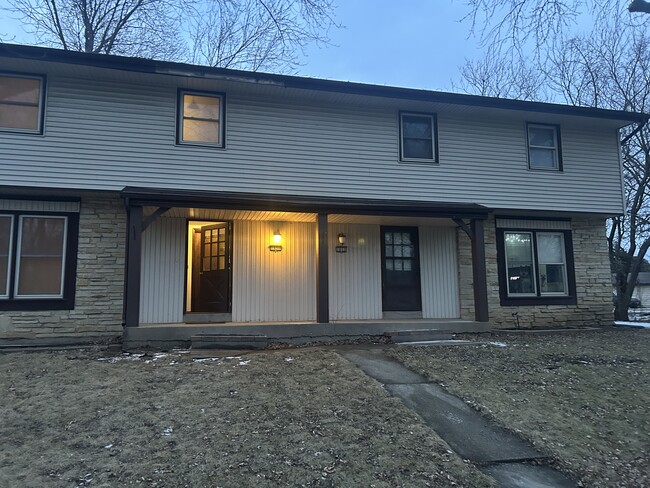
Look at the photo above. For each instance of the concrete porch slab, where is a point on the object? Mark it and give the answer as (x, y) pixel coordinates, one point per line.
(163, 336)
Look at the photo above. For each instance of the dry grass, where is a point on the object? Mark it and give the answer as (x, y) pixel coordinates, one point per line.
(284, 418)
(583, 398)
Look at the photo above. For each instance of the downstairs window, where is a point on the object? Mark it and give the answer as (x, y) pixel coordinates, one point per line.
(38, 256)
(535, 266)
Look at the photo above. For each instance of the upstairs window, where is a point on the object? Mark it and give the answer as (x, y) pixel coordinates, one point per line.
(544, 147)
(418, 137)
(200, 119)
(21, 103)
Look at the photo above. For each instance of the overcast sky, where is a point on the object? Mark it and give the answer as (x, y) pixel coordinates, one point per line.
(412, 43)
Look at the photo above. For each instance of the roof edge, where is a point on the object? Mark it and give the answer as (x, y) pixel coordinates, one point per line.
(300, 203)
(142, 65)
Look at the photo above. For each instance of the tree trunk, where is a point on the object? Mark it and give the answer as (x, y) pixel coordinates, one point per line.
(620, 311)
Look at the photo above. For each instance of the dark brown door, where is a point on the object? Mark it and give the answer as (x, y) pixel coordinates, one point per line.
(400, 269)
(214, 275)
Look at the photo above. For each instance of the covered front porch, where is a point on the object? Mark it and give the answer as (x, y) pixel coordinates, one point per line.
(301, 266)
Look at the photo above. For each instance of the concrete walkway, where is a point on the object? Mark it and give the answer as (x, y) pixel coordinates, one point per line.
(498, 452)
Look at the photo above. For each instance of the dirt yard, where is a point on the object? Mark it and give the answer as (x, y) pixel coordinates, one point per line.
(583, 398)
(284, 418)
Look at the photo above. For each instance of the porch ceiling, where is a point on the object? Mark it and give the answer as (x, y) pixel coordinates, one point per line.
(216, 214)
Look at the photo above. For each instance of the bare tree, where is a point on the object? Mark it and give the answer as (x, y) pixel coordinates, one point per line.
(252, 34)
(503, 76)
(257, 34)
(608, 68)
(147, 28)
(514, 24)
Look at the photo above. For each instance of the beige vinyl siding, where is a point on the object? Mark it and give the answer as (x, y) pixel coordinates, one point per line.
(355, 276)
(162, 281)
(274, 286)
(439, 273)
(39, 206)
(106, 135)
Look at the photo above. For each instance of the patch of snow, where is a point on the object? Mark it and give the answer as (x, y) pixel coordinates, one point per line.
(645, 325)
(205, 360)
(288, 360)
(168, 431)
(498, 344)
(108, 446)
(124, 357)
(447, 341)
(244, 363)
(233, 357)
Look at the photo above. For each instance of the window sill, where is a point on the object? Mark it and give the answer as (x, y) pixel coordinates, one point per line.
(531, 301)
(426, 162)
(37, 304)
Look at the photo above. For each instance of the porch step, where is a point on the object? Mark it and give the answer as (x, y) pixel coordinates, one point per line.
(401, 336)
(224, 341)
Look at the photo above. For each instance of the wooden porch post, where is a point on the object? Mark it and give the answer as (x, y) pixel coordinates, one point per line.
(481, 312)
(322, 274)
(133, 260)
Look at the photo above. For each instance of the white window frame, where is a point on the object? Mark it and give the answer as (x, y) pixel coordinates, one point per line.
(18, 296)
(41, 103)
(557, 166)
(564, 263)
(533, 262)
(434, 142)
(9, 256)
(181, 118)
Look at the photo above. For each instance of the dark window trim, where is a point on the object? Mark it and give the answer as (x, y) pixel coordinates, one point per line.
(558, 141)
(507, 301)
(434, 135)
(41, 103)
(70, 272)
(179, 118)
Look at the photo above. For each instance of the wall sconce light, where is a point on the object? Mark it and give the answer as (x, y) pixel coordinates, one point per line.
(342, 239)
(277, 239)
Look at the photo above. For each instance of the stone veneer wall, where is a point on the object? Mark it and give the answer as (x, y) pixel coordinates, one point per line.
(100, 281)
(593, 288)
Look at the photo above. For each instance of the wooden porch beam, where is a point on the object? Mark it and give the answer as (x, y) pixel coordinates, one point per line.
(461, 223)
(132, 271)
(148, 220)
(481, 312)
(322, 274)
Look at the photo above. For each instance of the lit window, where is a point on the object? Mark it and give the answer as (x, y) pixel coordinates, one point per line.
(21, 103)
(37, 261)
(418, 137)
(201, 119)
(543, 147)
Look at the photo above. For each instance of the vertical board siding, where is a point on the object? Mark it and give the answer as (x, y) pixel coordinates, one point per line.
(163, 272)
(355, 276)
(439, 273)
(274, 286)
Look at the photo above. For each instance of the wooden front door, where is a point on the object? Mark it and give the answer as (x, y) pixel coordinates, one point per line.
(214, 265)
(400, 269)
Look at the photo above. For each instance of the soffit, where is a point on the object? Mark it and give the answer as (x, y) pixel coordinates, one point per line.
(268, 216)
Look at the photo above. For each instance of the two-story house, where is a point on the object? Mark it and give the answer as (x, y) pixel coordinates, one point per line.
(152, 194)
